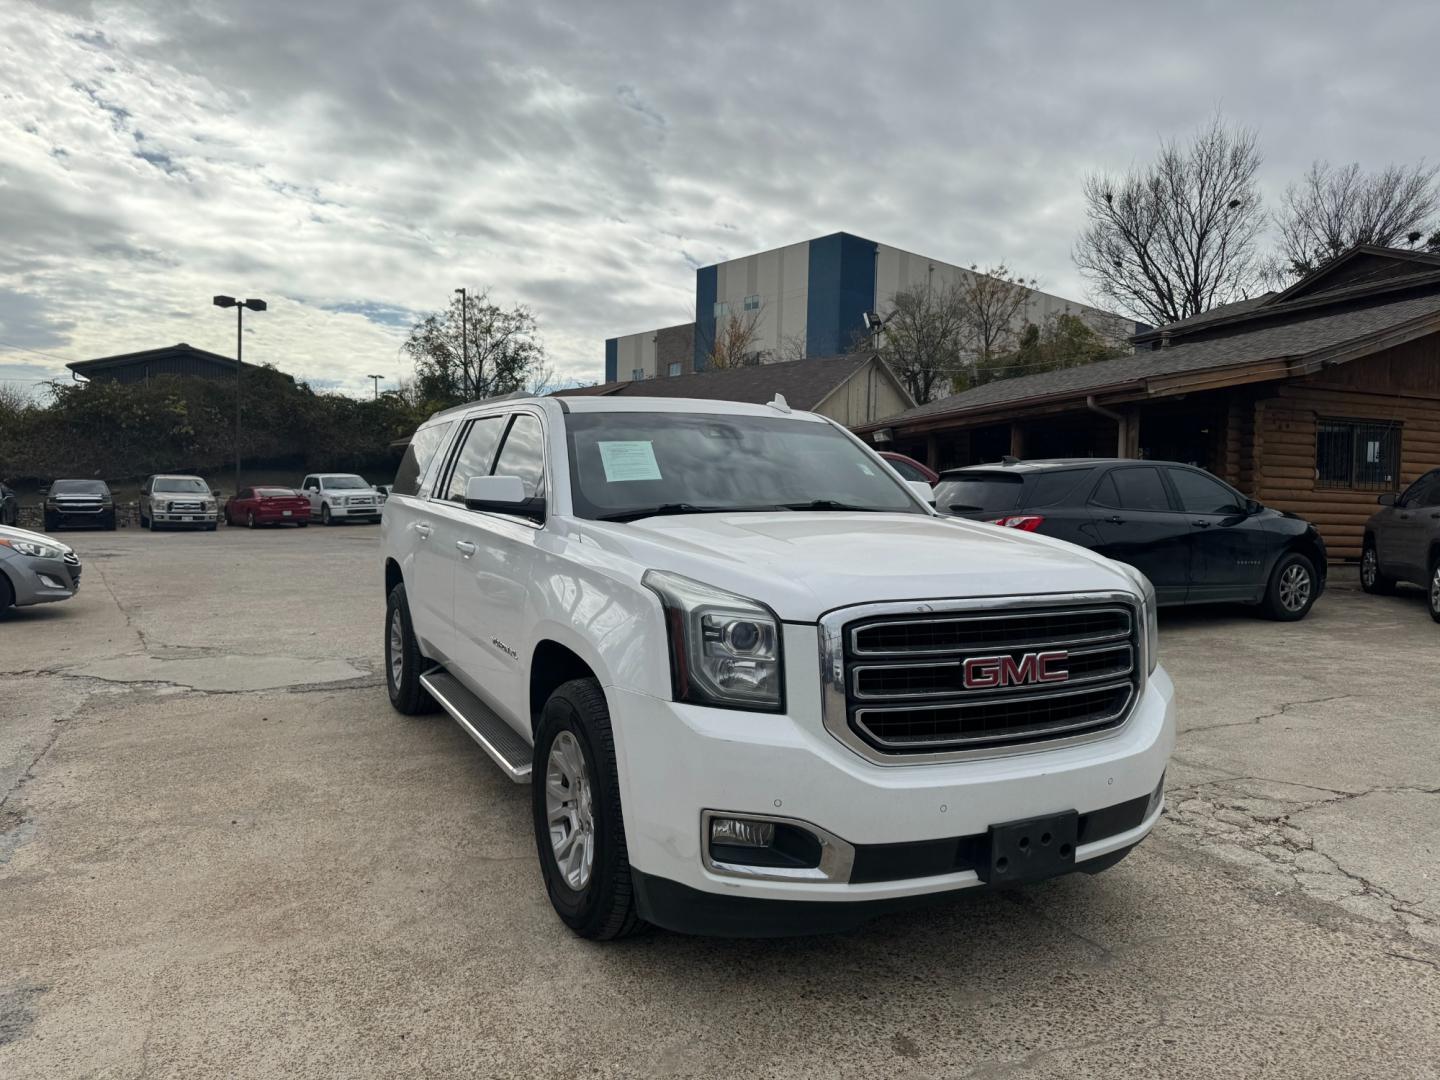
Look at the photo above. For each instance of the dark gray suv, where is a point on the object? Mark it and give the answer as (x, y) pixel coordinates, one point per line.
(1402, 541)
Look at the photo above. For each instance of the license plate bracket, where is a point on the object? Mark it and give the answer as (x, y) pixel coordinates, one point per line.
(1031, 850)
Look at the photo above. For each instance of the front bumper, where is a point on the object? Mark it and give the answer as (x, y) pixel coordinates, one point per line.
(198, 519)
(369, 512)
(41, 581)
(677, 761)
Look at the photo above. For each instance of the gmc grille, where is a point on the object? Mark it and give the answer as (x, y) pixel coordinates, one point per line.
(905, 684)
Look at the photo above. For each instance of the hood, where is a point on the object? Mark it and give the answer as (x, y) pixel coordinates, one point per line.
(804, 564)
(39, 538)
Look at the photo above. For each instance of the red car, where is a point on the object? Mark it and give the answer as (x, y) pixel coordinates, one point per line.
(909, 468)
(267, 506)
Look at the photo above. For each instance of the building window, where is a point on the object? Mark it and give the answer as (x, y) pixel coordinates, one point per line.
(1362, 455)
(721, 309)
(674, 368)
(752, 303)
(636, 374)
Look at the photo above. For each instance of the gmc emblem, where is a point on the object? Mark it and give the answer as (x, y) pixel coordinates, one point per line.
(992, 672)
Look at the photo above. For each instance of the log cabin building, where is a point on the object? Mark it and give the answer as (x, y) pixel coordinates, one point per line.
(1314, 400)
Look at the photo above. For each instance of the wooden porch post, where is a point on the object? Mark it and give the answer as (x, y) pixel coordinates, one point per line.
(1017, 439)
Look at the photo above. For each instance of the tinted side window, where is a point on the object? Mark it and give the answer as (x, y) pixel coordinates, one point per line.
(308, 482)
(1133, 489)
(523, 455)
(424, 445)
(476, 452)
(905, 469)
(1053, 488)
(1199, 494)
(1425, 491)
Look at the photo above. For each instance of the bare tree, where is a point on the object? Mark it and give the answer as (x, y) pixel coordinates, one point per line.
(734, 341)
(1176, 238)
(792, 347)
(1333, 209)
(991, 302)
(926, 338)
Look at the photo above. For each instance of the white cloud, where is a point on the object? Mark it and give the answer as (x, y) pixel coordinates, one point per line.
(354, 162)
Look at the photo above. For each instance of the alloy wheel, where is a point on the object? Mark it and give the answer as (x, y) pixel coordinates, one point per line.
(397, 647)
(1435, 590)
(1294, 588)
(569, 811)
(1369, 567)
(250, 520)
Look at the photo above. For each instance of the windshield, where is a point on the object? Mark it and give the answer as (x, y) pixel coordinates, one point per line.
(79, 487)
(344, 483)
(962, 492)
(186, 484)
(624, 463)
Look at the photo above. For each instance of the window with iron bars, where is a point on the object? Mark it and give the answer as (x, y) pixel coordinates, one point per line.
(1361, 455)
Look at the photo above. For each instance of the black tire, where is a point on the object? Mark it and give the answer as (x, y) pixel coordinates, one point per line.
(212, 526)
(7, 594)
(325, 518)
(110, 523)
(1371, 579)
(50, 524)
(602, 908)
(301, 524)
(1432, 588)
(406, 694)
(1291, 592)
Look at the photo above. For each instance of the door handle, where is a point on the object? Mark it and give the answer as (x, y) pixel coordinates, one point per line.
(465, 547)
(1201, 524)
(1114, 520)
(422, 530)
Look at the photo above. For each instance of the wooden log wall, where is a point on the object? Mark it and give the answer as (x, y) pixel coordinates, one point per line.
(1400, 385)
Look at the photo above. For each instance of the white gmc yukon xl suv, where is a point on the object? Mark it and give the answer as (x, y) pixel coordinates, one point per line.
(757, 686)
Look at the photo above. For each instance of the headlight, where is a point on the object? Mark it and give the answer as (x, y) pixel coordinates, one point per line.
(724, 649)
(209, 504)
(1152, 615)
(29, 547)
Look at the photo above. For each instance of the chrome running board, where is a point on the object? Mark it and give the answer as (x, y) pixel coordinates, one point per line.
(497, 738)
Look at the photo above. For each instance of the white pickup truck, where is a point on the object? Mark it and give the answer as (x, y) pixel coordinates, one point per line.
(757, 686)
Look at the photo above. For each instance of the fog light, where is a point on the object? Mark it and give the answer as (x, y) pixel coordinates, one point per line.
(741, 833)
(49, 582)
(1156, 798)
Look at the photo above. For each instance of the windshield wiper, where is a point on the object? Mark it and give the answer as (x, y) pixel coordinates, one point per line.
(678, 508)
(831, 504)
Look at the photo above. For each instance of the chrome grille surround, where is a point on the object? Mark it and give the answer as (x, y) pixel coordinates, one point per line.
(1112, 663)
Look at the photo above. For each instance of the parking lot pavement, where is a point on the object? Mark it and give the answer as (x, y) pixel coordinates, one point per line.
(222, 855)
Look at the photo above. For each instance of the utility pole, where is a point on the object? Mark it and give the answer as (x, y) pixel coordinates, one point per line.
(464, 343)
(239, 306)
(376, 379)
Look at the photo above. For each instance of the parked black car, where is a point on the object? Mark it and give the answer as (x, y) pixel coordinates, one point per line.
(1196, 538)
(9, 506)
(1402, 541)
(86, 503)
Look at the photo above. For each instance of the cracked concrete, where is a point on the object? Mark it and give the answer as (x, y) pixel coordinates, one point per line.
(221, 854)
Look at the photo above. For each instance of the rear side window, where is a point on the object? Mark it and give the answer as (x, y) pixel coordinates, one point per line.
(523, 455)
(424, 445)
(963, 492)
(1133, 489)
(908, 471)
(1424, 492)
(476, 453)
(1053, 488)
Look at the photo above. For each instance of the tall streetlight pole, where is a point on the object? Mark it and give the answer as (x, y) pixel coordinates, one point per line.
(376, 380)
(239, 306)
(464, 343)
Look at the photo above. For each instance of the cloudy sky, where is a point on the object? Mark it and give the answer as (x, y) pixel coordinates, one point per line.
(353, 162)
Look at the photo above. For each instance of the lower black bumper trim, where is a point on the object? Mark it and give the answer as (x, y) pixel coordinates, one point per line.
(685, 910)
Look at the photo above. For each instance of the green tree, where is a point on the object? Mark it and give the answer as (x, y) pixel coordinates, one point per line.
(497, 353)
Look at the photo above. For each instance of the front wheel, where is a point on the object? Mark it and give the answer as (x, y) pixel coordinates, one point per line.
(579, 829)
(250, 519)
(403, 659)
(50, 524)
(1433, 592)
(325, 518)
(1371, 579)
(1292, 588)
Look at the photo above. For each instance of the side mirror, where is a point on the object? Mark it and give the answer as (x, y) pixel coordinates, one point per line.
(924, 490)
(1389, 498)
(1252, 507)
(502, 495)
(215, 492)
